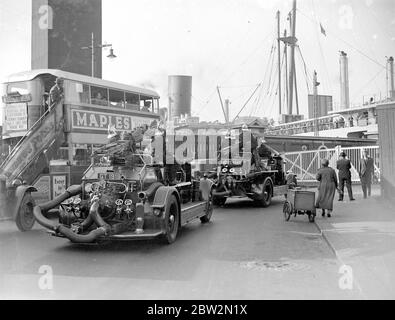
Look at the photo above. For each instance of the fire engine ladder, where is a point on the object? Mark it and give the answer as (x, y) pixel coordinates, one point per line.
(33, 152)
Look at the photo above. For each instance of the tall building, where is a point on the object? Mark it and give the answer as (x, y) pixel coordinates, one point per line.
(60, 28)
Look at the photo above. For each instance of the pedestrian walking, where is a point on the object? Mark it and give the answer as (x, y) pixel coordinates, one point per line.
(366, 170)
(326, 188)
(344, 166)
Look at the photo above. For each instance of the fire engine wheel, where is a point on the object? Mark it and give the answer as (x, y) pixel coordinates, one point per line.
(209, 211)
(172, 220)
(24, 218)
(267, 191)
(287, 210)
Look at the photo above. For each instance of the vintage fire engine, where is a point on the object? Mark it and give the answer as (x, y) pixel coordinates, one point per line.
(258, 176)
(125, 195)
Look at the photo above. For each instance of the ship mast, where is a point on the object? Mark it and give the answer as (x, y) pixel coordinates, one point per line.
(279, 61)
(291, 78)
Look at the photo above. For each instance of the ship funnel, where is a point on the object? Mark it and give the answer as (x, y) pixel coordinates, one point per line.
(180, 93)
(344, 85)
(227, 118)
(390, 78)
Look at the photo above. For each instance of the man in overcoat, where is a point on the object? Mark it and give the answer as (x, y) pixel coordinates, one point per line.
(344, 166)
(366, 170)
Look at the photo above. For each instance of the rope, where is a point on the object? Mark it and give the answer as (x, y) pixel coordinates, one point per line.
(347, 43)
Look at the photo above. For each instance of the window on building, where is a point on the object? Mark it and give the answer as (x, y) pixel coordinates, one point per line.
(99, 96)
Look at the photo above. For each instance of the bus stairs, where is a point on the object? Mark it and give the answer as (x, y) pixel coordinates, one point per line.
(32, 153)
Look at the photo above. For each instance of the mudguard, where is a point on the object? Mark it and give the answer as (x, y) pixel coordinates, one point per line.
(19, 193)
(162, 196)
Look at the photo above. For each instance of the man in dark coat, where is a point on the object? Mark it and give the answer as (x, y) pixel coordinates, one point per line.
(56, 93)
(366, 170)
(344, 166)
(327, 187)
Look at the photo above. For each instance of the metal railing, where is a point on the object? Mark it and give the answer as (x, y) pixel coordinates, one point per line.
(305, 164)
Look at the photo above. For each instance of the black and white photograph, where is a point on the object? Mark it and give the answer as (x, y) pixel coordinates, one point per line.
(205, 152)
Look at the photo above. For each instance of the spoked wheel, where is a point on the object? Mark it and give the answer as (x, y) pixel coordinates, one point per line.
(287, 210)
(209, 210)
(24, 218)
(267, 191)
(172, 220)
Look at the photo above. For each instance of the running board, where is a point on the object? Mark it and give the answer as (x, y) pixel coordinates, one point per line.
(192, 211)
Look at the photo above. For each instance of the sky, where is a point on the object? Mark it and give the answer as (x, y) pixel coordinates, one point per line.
(228, 43)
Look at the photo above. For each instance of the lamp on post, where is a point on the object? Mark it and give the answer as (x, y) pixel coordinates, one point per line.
(99, 46)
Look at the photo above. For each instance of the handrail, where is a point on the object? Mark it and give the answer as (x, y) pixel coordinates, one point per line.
(27, 134)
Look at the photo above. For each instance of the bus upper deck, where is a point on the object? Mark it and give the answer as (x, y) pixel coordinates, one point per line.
(69, 132)
(91, 105)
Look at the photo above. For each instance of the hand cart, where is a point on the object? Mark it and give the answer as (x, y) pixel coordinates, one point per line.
(299, 202)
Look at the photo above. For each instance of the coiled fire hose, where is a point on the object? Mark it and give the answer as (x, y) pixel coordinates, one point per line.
(94, 216)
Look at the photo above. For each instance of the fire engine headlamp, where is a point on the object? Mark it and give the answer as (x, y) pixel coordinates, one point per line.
(88, 187)
(119, 202)
(128, 202)
(157, 212)
(232, 170)
(224, 170)
(16, 183)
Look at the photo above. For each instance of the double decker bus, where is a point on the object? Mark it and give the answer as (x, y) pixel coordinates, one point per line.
(50, 147)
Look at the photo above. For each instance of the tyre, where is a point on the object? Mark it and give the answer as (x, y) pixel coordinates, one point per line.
(172, 220)
(24, 217)
(267, 191)
(287, 210)
(209, 210)
(311, 217)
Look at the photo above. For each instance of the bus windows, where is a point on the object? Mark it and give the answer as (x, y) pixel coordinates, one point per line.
(99, 96)
(146, 103)
(132, 101)
(83, 92)
(18, 88)
(117, 99)
(156, 106)
(82, 154)
(76, 91)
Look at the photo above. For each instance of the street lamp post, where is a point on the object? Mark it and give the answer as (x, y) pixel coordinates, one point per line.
(92, 48)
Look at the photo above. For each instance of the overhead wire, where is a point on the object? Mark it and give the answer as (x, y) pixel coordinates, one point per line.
(367, 83)
(327, 82)
(261, 89)
(212, 93)
(344, 41)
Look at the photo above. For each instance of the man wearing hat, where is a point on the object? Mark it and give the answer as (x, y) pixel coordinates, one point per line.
(344, 166)
(56, 93)
(366, 171)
